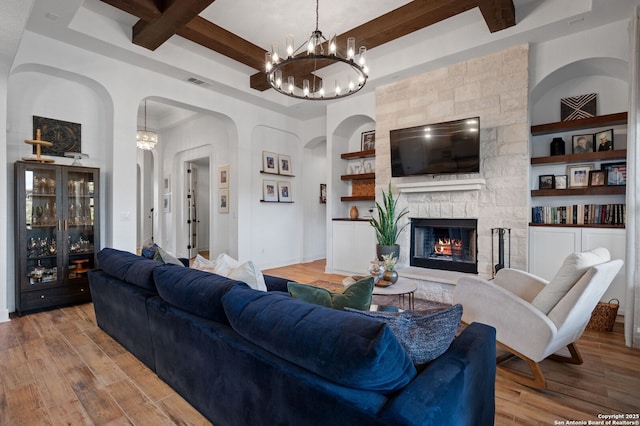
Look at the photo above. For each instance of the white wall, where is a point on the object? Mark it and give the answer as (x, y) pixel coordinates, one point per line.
(56, 80)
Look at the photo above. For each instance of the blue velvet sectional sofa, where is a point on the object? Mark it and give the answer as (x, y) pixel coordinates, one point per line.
(245, 357)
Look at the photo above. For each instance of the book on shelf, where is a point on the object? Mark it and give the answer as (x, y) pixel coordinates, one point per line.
(580, 214)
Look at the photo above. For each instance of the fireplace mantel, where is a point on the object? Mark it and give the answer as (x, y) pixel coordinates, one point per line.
(442, 186)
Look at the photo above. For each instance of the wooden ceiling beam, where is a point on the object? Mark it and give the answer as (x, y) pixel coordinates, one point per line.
(214, 37)
(146, 10)
(180, 17)
(152, 34)
(498, 14)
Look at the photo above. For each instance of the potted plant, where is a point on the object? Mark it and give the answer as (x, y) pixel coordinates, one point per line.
(386, 225)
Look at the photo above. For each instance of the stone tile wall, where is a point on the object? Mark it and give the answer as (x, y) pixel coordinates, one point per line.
(494, 88)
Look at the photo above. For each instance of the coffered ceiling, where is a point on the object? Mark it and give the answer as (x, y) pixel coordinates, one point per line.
(243, 29)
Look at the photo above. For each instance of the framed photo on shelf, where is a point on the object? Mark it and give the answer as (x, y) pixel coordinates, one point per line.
(223, 201)
(581, 144)
(560, 182)
(223, 176)
(166, 203)
(269, 162)
(368, 140)
(579, 175)
(545, 181)
(597, 178)
(284, 192)
(270, 190)
(323, 193)
(616, 173)
(604, 140)
(284, 165)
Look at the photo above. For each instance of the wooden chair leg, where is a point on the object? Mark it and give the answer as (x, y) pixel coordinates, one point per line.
(575, 357)
(536, 380)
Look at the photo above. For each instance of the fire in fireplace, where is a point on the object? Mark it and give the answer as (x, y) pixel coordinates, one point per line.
(448, 244)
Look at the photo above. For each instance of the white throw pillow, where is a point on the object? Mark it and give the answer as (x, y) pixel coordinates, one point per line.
(204, 264)
(573, 267)
(224, 264)
(247, 272)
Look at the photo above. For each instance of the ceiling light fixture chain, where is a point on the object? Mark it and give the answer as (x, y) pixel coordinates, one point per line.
(353, 66)
(146, 139)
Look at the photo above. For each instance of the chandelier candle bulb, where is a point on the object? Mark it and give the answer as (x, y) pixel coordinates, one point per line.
(290, 84)
(332, 45)
(305, 87)
(279, 78)
(290, 46)
(267, 61)
(362, 55)
(275, 56)
(351, 48)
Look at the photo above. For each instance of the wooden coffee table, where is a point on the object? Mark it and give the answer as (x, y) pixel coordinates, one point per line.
(403, 287)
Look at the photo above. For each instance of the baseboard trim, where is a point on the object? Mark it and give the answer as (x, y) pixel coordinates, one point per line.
(4, 315)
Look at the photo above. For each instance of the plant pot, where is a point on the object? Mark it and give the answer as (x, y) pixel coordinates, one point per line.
(391, 276)
(384, 250)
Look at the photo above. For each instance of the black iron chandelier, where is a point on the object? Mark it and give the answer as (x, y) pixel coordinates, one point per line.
(317, 52)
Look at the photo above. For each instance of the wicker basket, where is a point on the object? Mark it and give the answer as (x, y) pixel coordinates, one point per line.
(604, 316)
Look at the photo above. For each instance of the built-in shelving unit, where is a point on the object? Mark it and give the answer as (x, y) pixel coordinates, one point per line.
(359, 180)
(592, 123)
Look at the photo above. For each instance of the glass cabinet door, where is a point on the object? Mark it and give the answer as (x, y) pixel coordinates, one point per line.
(79, 219)
(42, 223)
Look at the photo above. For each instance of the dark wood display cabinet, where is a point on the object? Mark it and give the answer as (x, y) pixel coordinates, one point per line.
(56, 233)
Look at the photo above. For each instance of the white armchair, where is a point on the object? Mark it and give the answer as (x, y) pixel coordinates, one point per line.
(535, 318)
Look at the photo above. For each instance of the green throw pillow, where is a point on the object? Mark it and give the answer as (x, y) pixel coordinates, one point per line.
(357, 295)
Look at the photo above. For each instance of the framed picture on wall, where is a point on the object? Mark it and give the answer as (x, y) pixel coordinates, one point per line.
(579, 175)
(616, 173)
(284, 165)
(284, 192)
(223, 176)
(597, 178)
(166, 184)
(368, 140)
(545, 181)
(269, 190)
(269, 162)
(604, 140)
(581, 144)
(323, 193)
(166, 203)
(223, 201)
(560, 182)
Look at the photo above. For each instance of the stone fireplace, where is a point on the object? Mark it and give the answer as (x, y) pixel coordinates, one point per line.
(446, 244)
(494, 88)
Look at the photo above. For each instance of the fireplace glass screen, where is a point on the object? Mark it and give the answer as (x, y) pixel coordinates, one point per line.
(448, 244)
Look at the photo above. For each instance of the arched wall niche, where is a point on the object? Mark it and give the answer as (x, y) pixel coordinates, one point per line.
(346, 137)
(607, 77)
(188, 133)
(41, 90)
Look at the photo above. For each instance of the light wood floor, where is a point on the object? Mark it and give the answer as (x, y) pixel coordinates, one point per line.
(57, 367)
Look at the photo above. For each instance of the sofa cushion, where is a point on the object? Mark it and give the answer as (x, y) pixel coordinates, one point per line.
(194, 291)
(347, 349)
(573, 267)
(357, 295)
(425, 335)
(128, 267)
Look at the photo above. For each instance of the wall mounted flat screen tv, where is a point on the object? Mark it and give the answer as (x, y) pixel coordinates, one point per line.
(450, 147)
